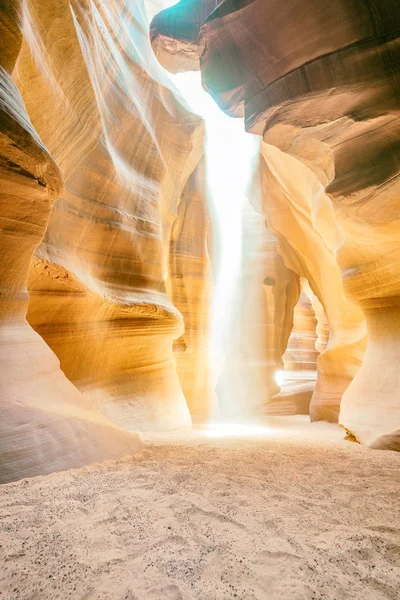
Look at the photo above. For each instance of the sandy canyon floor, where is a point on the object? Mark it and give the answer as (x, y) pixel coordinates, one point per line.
(297, 514)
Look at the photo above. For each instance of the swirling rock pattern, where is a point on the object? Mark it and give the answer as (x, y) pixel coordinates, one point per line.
(46, 424)
(308, 252)
(126, 148)
(320, 82)
(294, 213)
(118, 148)
(323, 87)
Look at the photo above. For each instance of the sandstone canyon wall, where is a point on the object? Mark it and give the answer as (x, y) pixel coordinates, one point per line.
(288, 205)
(292, 216)
(319, 81)
(190, 284)
(261, 321)
(123, 179)
(308, 339)
(105, 273)
(46, 424)
(109, 138)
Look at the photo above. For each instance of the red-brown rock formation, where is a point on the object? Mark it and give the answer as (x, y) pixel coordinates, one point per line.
(174, 34)
(320, 82)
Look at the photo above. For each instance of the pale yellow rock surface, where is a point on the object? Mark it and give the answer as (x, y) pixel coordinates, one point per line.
(319, 82)
(190, 283)
(301, 352)
(262, 318)
(292, 202)
(95, 197)
(126, 148)
(46, 424)
(299, 213)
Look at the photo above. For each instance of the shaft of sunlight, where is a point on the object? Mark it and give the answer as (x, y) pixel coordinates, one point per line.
(230, 155)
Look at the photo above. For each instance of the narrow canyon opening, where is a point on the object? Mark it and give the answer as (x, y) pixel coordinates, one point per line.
(236, 336)
(199, 299)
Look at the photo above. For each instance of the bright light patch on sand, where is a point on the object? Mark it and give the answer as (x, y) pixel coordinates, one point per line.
(219, 430)
(280, 378)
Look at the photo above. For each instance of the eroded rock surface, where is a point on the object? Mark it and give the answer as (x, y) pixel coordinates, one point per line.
(174, 34)
(288, 202)
(190, 280)
(126, 151)
(296, 210)
(46, 424)
(94, 183)
(319, 81)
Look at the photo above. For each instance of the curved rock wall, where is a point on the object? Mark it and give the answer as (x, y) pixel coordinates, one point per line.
(46, 424)
(297, 211)
(307, 235)
(323, 87)
(320, 82)
(308, 339)
(125, 147)
(118, 148)
(189, 284)
(301, 352)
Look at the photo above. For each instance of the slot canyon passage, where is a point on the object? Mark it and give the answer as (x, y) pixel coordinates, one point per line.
(199, 299)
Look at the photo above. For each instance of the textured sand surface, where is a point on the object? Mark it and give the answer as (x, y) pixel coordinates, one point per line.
(297, 514)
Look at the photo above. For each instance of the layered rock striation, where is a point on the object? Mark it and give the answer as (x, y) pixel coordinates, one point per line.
(95, 189)
(46, 423)
(126, 151)
(174, 34)
(323, 88)
(319, 81)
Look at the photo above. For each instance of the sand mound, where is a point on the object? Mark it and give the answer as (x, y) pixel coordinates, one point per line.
(297, 514)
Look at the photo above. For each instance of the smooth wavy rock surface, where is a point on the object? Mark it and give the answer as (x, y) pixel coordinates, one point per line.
(319, 80)
(126, 147)
(295, 208)
(46, 424)
(95, 183)
(290, 191)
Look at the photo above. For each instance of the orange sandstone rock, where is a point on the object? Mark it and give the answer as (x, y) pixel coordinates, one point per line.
(320, 82)
(126, 147)
(46, 424)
